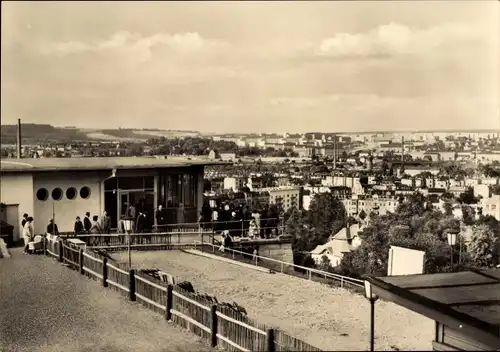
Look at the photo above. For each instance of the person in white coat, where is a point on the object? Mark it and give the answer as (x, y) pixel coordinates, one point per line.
(28, 233)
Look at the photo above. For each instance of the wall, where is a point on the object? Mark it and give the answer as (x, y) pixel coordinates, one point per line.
(66, 210)
(281, 251)
(18, 189)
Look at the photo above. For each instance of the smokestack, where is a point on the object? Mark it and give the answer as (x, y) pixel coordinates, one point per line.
(402, 151)
(334, 152)
(18, 145)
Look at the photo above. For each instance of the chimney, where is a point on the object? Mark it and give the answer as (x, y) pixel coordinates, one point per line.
(334, 152)
(402, 151)
(18, 145)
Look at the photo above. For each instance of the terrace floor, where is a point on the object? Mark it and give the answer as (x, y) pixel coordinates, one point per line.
(332, 319)
(45, 306)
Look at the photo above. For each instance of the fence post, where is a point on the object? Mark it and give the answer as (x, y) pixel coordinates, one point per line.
(105, 272)
(131, 284)
(213, 311)
(60, 251)
(80, 261)
(170, 301)
(310, 274)
(271, 345)
(342, 282)
(281, 267)
(45, 245)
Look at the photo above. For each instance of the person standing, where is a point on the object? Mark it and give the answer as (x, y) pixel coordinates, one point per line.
(52, 228)
(105, 223)
(78, 226)
(28, 233)
(24, 220)
(160, 218)
(87, 224)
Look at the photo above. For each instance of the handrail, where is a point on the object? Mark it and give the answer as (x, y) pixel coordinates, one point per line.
(216, 222)
(353, 281)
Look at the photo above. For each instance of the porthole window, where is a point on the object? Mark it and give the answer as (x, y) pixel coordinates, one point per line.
(71, 193)
(57, 194)
(42, 194)
(85, 192)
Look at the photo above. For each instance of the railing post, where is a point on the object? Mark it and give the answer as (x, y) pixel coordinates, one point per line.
(45, 245)
(282, 267)
(131, 284)
(310, 274)
(105, 272)
(271, 345)
(60, 251)
(213, 312)
(80, 261)
(342, 282)
(213, 232)
(170, 301)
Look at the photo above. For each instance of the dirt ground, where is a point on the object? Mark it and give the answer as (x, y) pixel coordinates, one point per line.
(45, 306)
(329, 318)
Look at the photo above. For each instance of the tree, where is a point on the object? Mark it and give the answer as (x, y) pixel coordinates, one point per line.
(467, 197)
(468, 215)
(362, 214)
(448, 208)
(484, 246)
(296, 226)
(326, 216)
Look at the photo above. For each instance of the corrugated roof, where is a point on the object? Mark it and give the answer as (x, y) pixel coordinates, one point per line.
(99, 163)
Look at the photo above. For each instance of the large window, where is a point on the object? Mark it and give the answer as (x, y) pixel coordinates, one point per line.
(180, 188)
(189, 186)
(139, 182)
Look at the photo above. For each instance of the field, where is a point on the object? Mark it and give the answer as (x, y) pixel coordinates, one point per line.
(329, 318)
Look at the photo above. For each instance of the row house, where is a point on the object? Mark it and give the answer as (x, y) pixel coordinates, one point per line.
(379, 205)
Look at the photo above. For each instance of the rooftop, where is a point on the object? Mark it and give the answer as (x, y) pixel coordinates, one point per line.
(102, 163)
(468, 301)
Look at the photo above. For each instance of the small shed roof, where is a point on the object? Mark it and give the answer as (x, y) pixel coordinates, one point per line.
(100, 163)
(467, 301)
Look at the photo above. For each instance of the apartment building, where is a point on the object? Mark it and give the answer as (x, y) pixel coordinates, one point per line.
(378, 204)
(286, 196)
(491, 206)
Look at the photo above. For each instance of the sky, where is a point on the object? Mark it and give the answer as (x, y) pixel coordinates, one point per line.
(252, 66)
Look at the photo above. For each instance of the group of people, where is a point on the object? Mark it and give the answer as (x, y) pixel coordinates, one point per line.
(141, 220)
(94, 226)
(239, 220)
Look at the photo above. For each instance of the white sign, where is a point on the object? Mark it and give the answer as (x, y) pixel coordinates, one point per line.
(405, 261)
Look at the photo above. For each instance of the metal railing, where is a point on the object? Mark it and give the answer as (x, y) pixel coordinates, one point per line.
(342, 281)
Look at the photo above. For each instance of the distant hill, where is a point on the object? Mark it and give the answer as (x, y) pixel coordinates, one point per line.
(36, 133)
(39, 133)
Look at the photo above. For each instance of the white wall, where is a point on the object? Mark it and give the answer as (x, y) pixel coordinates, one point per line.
(18, 189)
(66, 210)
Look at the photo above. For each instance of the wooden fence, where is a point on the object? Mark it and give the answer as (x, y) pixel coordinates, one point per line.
(219, 325)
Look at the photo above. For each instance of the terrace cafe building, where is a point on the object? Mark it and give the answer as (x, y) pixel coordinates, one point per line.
(65, 188)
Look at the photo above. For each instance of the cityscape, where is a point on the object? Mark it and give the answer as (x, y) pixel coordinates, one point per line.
(357, 210)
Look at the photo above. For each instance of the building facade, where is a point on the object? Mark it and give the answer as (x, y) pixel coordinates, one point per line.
(64, 188)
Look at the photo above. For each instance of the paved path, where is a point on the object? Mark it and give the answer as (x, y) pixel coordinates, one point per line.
(45, 306)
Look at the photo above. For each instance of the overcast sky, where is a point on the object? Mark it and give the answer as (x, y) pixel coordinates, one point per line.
(252, 66)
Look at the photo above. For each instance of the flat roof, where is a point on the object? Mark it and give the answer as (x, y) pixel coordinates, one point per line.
(100, 163)
(467, 301)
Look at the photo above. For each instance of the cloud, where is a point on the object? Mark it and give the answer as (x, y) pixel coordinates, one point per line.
(141, 47)
(395, 39)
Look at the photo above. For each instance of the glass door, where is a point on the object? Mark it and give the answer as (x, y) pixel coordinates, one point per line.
(124, 201)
